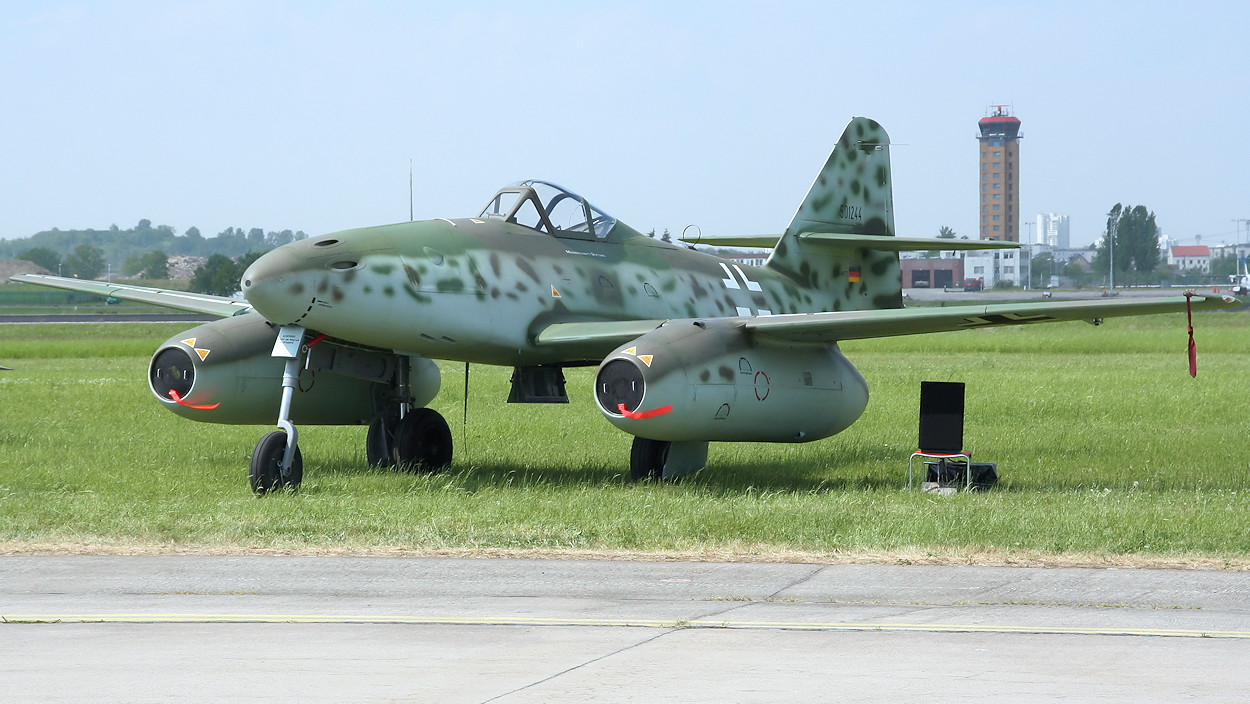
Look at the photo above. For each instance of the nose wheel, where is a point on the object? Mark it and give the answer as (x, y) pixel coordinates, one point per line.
(266, 474)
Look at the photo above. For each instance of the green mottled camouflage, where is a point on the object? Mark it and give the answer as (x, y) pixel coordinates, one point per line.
(510, 282)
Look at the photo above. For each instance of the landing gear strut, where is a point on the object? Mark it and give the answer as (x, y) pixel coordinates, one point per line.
(276, 460)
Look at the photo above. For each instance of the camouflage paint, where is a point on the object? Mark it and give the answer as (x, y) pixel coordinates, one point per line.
(480, 290)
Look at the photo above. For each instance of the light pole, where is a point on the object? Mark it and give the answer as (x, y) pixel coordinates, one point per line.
(1028, 258)
(1111, 255)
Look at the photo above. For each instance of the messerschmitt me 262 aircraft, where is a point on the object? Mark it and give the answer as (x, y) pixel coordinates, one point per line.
(343, 328)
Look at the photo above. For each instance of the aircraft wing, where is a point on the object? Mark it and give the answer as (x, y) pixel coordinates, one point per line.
(593, 339)
(219, 306)
(861, 324)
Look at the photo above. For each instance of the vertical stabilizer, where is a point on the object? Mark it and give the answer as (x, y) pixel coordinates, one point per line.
(852, 195)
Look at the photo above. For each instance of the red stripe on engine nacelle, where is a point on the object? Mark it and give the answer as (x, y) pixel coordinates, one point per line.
(639, 415)
(177, 398)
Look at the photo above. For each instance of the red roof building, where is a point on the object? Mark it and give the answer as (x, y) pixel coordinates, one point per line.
(1190, 258)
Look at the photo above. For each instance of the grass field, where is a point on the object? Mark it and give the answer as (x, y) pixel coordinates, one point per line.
(1109, 454)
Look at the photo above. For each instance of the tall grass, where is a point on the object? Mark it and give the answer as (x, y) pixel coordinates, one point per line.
(1106, 447)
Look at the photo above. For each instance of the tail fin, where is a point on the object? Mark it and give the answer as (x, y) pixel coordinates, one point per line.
(852, 195)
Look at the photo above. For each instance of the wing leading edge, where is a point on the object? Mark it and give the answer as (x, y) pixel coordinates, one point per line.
(219, 306)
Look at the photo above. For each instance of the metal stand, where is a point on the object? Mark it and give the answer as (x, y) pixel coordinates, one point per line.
(942, 456)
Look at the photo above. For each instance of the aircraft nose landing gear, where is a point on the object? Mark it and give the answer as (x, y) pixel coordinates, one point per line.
(276, 460)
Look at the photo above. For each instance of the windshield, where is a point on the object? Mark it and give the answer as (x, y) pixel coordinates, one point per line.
(545, 206)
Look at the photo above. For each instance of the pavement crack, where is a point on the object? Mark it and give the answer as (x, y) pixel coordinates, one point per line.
(799, 581)
(579, 666)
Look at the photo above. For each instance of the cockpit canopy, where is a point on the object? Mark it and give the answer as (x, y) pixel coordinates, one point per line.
(546, 207)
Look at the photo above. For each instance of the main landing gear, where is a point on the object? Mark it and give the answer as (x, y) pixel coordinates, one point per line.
(661, 459)
(420, 441)
(411, 439)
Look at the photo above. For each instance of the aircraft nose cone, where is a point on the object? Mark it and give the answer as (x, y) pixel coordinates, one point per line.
(273, 285)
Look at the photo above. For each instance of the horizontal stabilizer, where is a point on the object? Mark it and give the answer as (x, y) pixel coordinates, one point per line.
(901, 244)
(848, 241)
(767, 241)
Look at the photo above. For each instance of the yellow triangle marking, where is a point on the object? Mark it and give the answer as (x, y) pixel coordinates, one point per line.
(646, 358)
(189, 342)
(204, 354)
(554, 292)
(631, 350)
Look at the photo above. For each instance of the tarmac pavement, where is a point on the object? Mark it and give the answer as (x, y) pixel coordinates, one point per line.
(209, 628)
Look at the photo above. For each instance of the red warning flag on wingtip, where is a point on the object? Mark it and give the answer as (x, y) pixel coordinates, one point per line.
(1193, 349)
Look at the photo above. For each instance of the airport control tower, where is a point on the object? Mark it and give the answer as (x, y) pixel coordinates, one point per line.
(999, 144)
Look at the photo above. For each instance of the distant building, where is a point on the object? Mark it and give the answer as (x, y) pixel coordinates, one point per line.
(1190, 258)
(1005, 267)
(998, 144)
(1051, 230)
(941, 272)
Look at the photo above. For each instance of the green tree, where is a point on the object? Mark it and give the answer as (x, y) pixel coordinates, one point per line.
(219, 276)
(132, 265)
(946, 233)
(243, 262)
(155, 265)
(85, 262)
(1042, 267)
(666, 237)
(1135, 236)
(42, 256)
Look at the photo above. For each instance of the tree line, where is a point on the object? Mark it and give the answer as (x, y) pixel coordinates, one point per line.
(143, 251)
(116, 244)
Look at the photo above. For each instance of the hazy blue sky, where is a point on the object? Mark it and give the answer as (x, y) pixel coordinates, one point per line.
(304, 115)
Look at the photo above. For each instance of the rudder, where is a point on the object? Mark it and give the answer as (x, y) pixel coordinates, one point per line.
(851, 195)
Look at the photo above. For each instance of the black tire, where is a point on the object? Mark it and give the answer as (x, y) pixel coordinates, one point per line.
(646, 459)
(380, 440)
(265, 469)
(422, 442)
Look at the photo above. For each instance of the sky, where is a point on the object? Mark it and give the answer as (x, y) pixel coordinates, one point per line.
(307, 115)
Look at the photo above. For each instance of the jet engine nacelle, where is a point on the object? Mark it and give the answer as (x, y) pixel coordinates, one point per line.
(224, 372)
(708, 381)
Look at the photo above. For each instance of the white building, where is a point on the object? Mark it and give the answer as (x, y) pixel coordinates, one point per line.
(1051, 230)
(1195, 257)
(996, 266)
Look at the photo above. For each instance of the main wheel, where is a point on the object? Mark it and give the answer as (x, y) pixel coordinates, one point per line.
(380, 440)
(646, 458)
(265, 471)
(422, 442)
